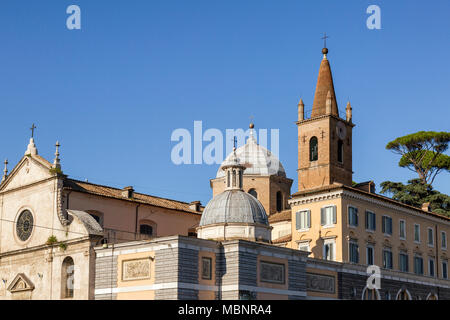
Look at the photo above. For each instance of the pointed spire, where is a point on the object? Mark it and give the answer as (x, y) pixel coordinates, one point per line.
(348, 112)
(301, 110)
(5, 171)
(324, 86)
(56, 162)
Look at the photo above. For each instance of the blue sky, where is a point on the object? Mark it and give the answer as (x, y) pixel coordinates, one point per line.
(113, 92)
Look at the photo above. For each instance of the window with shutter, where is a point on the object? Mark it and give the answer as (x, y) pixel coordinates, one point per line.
(370, 221)
(334, 215)
(430, 237)
(417, 233)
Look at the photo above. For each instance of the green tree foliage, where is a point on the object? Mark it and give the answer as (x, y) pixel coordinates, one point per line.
(416, 193)
(423, 153)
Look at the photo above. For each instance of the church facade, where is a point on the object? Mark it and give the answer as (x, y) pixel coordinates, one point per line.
(67, 239)
(50, 225)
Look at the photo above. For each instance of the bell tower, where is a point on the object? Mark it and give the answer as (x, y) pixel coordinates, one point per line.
(324, 139)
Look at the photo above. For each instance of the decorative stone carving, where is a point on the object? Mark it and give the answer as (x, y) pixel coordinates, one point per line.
(320, 283)
(272, 272)
(20, 283)
(62, 213)
(136, 269)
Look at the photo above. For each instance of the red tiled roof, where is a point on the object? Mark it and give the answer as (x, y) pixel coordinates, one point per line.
(280, 216)
(110, 192)
(283, 239)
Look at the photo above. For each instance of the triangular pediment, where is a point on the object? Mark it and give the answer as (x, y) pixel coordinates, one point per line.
(20, 283)
(29, 170)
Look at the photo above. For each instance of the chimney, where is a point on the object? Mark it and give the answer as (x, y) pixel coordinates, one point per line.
(368, 186)
(195, 205)
(128, 192)
(426, 207)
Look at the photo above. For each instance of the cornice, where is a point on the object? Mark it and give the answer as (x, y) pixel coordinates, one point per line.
(316, 197)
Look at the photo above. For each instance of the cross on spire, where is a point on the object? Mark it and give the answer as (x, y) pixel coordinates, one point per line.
(32, 130)
(324, 38)
(234, 142)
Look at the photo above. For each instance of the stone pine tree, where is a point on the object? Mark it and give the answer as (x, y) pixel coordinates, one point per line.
(423, 153)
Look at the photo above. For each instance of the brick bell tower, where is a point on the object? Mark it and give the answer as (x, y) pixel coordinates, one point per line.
(324, 139)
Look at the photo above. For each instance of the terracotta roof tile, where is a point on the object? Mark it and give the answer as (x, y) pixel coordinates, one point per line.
(111, 192)
(280, 216)
(283, 239)
(323, 88)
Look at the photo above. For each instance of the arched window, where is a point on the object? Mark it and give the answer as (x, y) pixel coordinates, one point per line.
(370, 294)
(340, 151)
(229, 179)
(146, 229)
(253, 193)
(67, 278)
(279, 201)
(403, 294)
(313, 149)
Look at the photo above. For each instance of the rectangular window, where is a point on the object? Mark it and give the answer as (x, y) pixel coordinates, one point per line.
(418, 265)
(444, 240)
(303, 220)
(328, 216)
(387, 259)
(206, 268)
(353, 216)
(403, 262)
(402, 231)
(354, 252)
(444, 269)
(416, 232)
(430, 237)
(329, 249)
(431, 267)
(387, 225)
(370, 221)
(370, 255)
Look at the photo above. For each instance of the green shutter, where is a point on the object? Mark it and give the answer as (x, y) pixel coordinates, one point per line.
(374, 218)
(356, 216)
(383, 224)
(334, 215)
(309, 218)
(367, 220)
(297, 220)
(322, 216)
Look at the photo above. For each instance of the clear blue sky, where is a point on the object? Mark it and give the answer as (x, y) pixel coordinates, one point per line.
(113, 92)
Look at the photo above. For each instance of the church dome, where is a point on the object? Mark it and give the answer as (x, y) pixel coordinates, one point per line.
(234, 206)
(256, 159)
(234, 214)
